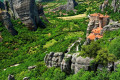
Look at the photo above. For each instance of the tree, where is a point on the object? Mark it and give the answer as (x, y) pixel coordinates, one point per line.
(114, 47)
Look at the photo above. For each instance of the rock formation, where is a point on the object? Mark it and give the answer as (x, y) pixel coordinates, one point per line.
(104, 5)
(72, 63)
(31, 67)
(69, 6)
(97, 20)
(27, 11)
(11, 77)
(115, 5)
(5, 19)
(68, 62)
(54, 59)
(41, 12)
(111, 27)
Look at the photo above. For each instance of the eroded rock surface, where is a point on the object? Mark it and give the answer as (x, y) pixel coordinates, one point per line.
(54, 59)
(69, 6)
(110, 27)
(80, 63)
(114, 4)
(5, 19)
(27, 11)
(67, 62)
(11, 77)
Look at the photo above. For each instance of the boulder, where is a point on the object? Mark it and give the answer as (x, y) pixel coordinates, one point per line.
(11, 77)
(31, 67)
(26, 78)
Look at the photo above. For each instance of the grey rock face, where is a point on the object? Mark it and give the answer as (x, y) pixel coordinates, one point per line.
(66, 63)
(41, 12)
(110, 27)
(80, 63)
(27, 11)
(69, 6)
(115, 4)
(11, 77)
(54, 59)
(2, 5)
(104, 5)
(5, 19)
(8, 24)
(116, 64)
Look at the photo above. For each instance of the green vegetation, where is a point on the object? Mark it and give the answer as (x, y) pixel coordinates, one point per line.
(29, 48)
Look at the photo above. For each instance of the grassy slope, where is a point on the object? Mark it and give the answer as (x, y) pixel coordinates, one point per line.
(29, 48)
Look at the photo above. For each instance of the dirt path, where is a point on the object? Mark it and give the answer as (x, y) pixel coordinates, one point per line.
(73, 17)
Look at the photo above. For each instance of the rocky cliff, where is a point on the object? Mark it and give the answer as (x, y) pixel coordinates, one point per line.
(69, 6)
(27, 11)
(5, 19)
(114, 4)
(72, 63)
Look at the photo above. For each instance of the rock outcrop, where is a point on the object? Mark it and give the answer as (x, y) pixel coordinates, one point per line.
(69, 6)
(72, 63)
(11, 77)
(110, 27)
(104, 5)
(27, 11)
(41, 12)
(80, 63)
(5, 19)
(31, 67)
(67, 62)
(54, 59)
(115, 5)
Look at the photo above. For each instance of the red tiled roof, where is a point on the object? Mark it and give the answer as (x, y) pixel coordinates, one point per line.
(91, 36)
(98, 30)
